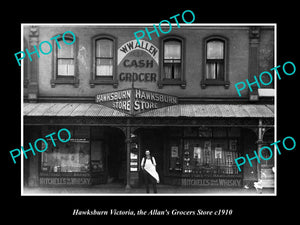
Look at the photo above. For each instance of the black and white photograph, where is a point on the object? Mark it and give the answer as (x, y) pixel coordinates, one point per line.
(149, 112)
(174, 111)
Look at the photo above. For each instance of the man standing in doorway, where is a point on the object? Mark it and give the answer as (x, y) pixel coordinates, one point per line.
(148, 165)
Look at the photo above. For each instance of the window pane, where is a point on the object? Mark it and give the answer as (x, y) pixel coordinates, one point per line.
(177, 68)
(168, 71)
(210, 156)
(210, 71)
(104, 67)
(66, 51)
(215, 70)
(104, 48)
(215, 50)
(172, 70)
(97, 156)
(220, 71)
(73, 157)
(172, 50)
(65, 67)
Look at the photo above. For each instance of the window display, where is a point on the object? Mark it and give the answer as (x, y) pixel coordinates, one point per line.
(204, 151)
(210, 156)
(174, 151)
(97, 158)
(71, 157)
(174, 155)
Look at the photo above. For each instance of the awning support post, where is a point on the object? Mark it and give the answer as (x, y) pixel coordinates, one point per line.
(127, 187)
(259, 145)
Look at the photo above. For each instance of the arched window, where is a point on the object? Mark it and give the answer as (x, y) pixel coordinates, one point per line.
(172, 59)
(65, 61)
(104, 57)
(215, 60)
(214, 69)
(104, 61)
(172, 62)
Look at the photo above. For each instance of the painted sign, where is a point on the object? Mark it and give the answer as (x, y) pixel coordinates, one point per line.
(70, 178)
(134, 101)
(64, 180)
(138, 63)
(212, 182)
(132, 45)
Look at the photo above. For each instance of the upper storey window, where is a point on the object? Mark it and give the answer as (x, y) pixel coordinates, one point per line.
(104, 61)
(172, 62)
(65, 61)
(172, 59)
(215, 60)
(214, 70)
(104, 57)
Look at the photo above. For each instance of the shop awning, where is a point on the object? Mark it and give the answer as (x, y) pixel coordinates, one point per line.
(180, 110)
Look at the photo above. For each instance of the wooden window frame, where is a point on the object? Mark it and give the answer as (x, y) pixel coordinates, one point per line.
(214, 82)
(103, 80)
(57, 79)
(162, 80)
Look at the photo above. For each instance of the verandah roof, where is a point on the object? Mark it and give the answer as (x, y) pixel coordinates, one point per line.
(180, 110)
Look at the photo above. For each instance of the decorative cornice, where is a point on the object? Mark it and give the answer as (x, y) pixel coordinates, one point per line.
(254, 32)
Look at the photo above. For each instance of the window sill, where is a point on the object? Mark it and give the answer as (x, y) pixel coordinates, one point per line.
(65, 80)
(207, 82)
(103, 82)
(181, 83)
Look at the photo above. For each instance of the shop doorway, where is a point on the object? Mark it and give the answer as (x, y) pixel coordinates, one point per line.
(153, 139)
(116, 156)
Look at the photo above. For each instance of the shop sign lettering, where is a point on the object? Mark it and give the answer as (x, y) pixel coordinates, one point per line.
(140, 76)
(134, 101)
(64, 180)
(132, 45)
(212, 182)
(138, 67)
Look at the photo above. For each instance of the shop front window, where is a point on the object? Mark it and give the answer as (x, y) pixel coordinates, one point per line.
(210, 156)
(205, 151)
(175, 156)
(67, 157)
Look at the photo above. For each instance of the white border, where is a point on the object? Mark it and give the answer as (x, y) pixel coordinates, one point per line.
(213, 25)
(275, 108)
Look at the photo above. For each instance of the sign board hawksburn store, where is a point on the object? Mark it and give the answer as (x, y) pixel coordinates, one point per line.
(133, 101)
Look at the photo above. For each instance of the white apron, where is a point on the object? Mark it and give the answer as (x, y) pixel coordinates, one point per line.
(150, 168)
